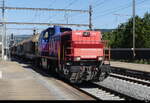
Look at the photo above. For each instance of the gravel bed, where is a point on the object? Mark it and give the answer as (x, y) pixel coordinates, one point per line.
(101, 94)
(129, 88)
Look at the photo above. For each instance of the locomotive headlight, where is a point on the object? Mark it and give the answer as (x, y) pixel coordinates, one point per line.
(67, 63)
(100, 58)
(77, 58)
(86, 34)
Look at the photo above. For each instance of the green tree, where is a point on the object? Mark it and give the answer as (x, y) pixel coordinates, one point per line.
(122, 37)
(146, 29)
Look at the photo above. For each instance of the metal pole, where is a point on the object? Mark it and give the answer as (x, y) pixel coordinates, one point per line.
(90, 17)
(4, 38)
(134, 28)
(3, 30)
(6, 45)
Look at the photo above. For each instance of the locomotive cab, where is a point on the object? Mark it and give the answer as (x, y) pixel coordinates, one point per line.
(83, 54)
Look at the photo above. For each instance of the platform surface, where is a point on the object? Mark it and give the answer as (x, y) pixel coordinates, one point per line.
(132, 66)
(20, 82)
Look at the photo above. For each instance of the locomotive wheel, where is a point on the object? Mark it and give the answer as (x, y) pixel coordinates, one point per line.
(56, 69)
(40, 64)
(56, 72)
(37, 62)
(102, 76)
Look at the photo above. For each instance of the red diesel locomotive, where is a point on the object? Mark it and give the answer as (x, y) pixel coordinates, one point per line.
(78, 55)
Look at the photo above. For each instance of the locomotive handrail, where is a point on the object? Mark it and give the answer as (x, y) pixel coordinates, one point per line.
(95, 41)
(88, 41)
(105, 43)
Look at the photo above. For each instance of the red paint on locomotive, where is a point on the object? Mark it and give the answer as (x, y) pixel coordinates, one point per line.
(85, 44)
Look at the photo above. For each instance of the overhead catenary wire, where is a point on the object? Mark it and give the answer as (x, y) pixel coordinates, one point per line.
(100, 3)
(66, 15)
(117, 9)
(96, 2)
(63, 8)
(109, 11)
(71, 3)
(51, 3)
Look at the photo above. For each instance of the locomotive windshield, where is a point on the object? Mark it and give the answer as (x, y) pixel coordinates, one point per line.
(65, 29)
(46, 35)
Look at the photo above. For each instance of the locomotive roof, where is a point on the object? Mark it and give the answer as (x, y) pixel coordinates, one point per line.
(62, 29)
(59, 26)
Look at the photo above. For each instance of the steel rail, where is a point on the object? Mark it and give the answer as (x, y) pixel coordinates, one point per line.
(132, 73)
(132, 79)
(117, 93)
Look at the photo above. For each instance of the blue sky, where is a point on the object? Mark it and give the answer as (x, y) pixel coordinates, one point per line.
(104, 12)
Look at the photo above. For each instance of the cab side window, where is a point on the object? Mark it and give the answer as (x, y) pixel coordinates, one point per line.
(51, 32)
(46, 35)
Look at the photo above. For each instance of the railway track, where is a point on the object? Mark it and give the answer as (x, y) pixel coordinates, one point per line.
(131, 79)
(134, 82)
(106, 93)
(131, 73)
(102, 93)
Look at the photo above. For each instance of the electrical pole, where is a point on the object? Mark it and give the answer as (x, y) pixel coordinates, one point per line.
(90, 17)
(3, 45)
(134, 28)
(66, 17)
(4, 37)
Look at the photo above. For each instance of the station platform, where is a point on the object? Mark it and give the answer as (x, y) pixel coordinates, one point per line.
(131, 66)
(19, 82)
